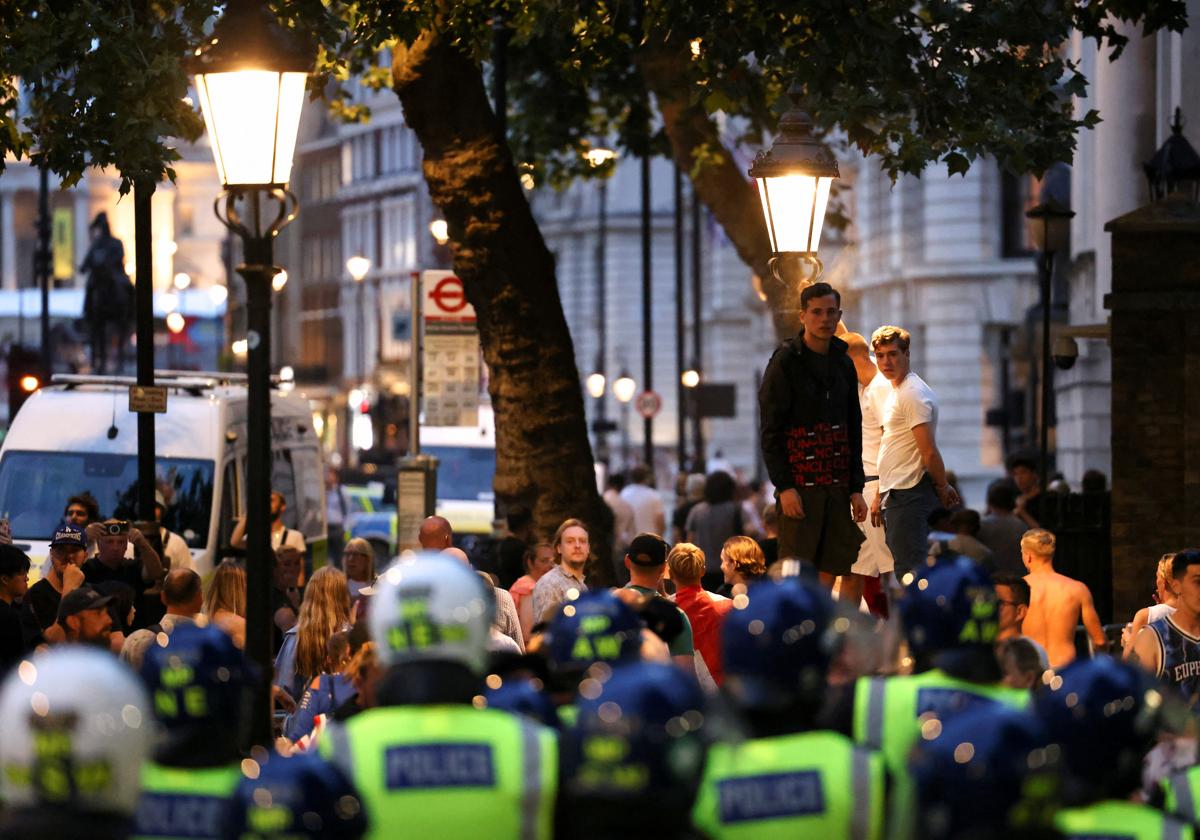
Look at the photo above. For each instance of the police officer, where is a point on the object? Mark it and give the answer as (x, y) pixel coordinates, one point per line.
(634, 758)
(427, 762)
(990, 772)
(950, 619)
(199, 682)
(1105, 715)
(595, 627)
(292, 798)
(76, 729)
(789, 779)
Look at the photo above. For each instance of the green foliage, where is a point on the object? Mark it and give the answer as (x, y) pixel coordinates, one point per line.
(912, 83)
(103, 84)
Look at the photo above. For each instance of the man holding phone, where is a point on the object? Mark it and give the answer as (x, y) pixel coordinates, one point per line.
(113, 537)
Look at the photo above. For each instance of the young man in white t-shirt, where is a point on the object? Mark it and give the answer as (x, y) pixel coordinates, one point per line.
(912, 476)
(874, 557)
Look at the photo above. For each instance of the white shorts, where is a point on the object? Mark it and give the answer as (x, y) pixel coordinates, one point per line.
(874, 557)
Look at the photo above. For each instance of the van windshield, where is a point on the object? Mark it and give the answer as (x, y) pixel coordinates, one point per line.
(464, 472)
(35, 486)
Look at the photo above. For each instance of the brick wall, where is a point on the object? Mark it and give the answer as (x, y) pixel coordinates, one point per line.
(1155, 306)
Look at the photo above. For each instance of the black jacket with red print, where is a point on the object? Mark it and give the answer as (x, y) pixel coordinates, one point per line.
(811, 420)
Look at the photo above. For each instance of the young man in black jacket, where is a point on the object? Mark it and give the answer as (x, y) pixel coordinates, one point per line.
(812, 439)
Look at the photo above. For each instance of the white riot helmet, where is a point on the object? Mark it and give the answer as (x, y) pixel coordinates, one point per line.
(428, 606)
(77, 728)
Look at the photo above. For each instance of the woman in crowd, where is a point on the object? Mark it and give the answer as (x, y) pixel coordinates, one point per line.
(225, 601)
(358, 562)
(713, 521)
(742, 562)
(537, 561)
(1164, 604)
(324, 611)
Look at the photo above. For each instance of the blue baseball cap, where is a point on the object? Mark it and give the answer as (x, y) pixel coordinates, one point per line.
(66, 534)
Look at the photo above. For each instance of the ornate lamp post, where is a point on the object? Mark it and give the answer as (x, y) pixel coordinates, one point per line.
(250, 76)
(1050, 229)
(624, 388)
(794, 177)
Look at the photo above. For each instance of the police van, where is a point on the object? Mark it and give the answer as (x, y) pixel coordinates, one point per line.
(78, 435)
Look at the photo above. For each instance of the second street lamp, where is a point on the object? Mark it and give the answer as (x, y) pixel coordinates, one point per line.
(794, 178)
(250, 76)
(1050, 230)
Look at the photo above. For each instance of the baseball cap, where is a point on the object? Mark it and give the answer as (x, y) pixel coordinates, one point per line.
(647, 550)
(81, 600)
(66, 534)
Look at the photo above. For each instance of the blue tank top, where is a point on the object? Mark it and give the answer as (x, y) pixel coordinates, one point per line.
(1180, 658)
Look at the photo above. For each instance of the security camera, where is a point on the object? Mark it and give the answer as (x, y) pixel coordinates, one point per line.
(1065, 352)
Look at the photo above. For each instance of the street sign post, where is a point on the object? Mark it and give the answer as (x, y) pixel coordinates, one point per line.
(648, 404)
(450, 352)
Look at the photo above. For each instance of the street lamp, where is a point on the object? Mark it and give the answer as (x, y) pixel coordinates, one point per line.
(794, 177)
(690, 378)
(440, 231)
(597, 157)
(250, 75)
(623, 389)
(1050, 230)
(595, 384)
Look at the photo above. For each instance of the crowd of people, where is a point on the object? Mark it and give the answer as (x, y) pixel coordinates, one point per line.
(862, 657)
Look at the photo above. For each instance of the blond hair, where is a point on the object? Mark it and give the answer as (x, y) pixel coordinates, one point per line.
(361, 546)
(746, 556)
(558, 535)
(1038, 541)
(324, 611)
(1165, 573)
(888, 334)
(686, 562)
(226, 590)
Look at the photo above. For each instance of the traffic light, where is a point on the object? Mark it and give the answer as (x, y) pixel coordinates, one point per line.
(24, 377)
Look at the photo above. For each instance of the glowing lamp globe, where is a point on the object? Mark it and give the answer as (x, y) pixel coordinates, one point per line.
(250, 77)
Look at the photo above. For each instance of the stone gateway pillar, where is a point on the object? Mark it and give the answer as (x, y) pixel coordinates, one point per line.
(1155, 304)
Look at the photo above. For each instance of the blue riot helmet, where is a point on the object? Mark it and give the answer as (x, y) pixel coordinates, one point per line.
(521, 696)
(635, 755)
(777, 644)
(990, 772)
(950, 612)
(290, 798)
(1106, 715)
(199, 683)
(595, 627)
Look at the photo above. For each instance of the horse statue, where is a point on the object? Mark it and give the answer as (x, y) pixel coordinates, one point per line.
(108, 299)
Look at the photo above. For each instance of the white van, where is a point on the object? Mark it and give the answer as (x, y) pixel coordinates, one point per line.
(466, 469)
(78, 435)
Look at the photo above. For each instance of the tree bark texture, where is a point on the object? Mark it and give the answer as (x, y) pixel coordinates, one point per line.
(543, 457)
(721, 183)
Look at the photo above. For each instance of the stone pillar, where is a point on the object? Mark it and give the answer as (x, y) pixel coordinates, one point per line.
(8, 242)
(1155, 304)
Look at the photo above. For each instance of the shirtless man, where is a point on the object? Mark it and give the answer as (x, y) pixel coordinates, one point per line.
(1169, 647)
(1057, 603)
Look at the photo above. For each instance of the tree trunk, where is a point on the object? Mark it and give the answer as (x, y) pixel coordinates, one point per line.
(721, 183)
(543, 457)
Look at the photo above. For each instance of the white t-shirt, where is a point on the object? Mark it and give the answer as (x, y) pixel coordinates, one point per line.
(909, 405)
(647, 507)
(872, 399)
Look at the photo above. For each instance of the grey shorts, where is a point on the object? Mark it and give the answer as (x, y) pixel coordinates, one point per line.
(827, 536)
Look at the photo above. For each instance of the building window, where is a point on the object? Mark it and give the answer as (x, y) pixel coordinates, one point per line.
(1018, 193)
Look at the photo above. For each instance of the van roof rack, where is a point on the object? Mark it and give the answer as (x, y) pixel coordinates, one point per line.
(193, 381)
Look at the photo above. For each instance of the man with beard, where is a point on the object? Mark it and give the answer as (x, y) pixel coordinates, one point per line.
(83, 616)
